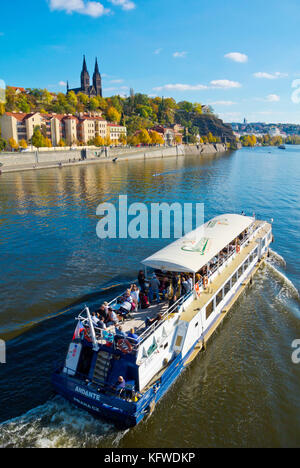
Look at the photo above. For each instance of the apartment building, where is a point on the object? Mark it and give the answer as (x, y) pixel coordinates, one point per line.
(115, 131)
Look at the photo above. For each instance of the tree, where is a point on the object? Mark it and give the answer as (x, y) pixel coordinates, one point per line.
(107, 141)
(98, 141)
(72, 99)
(3, 144)
(13, 144)
(23, 144)
(47, 143)
(38, 140)
(62, 143)
(144, 137)
(113, 115)
(156, 138)
(123, 139)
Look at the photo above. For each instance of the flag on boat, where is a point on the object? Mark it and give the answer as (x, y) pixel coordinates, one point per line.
(79, 329)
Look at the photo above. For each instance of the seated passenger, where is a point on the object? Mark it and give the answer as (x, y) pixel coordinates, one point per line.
(120, 385)
(144, 300)
(125, 308)
(119, 333)
(153, 321)
(112, 318)
(133, 336)
(103, 312)
(101, 323)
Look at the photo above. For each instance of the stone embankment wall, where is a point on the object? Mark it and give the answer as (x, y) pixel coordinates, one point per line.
(44, 159)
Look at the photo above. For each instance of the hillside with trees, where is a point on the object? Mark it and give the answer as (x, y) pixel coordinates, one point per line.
(138, 112)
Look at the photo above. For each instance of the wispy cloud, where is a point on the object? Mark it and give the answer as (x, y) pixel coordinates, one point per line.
(215, 84)
(273, 98)
(270, 76)
(62, 83)
(125, 4)
(237, 57)
(223, 103)
(157, 51)
(181, 87)
(117, 81)
(225, 84)
(180, 54)
(93, 9)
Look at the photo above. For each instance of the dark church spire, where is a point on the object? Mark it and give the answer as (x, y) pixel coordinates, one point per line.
(97, 80)
(85, 77)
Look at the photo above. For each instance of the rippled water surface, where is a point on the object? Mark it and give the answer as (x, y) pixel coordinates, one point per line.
(243, 391)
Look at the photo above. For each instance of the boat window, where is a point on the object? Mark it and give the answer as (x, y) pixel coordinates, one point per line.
(178, 341)
(240, 272)
(234, 279)
(255, 253)
(196, 324)
(227, 288)
(209, 309)
(219, 297)
(246, 264)
(166, 345)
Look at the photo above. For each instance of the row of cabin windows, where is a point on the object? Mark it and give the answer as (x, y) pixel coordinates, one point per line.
(219, 297)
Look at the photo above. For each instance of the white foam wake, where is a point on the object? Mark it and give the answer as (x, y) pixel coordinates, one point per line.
(292, 288)
(278, 258)
(56, 424)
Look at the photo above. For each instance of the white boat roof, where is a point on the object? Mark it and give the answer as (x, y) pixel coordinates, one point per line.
(197, 248)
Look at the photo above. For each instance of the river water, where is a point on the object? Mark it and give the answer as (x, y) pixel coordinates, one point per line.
(242, 391)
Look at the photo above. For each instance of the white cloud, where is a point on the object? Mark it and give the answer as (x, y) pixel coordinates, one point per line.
(181, 87)
(125, 4)
(223, 103)
(225, 84)
(62, 83)
(273, 98)
(270, 76)
(93, 9)
(157, 51)
(216, 84)
(117, 81)
(179, 54)
(237, 57)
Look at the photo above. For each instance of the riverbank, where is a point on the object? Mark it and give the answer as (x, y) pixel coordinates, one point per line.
(16, 162)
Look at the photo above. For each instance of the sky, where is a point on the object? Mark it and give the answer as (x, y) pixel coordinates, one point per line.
(242, 57)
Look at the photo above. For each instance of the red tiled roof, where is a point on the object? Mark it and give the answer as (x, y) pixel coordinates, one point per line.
(19, 116)
(114, 125)
(23, 90)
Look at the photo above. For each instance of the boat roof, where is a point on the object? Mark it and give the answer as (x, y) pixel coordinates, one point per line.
(197, 248)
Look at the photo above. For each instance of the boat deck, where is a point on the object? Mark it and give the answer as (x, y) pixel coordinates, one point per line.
(217, 283)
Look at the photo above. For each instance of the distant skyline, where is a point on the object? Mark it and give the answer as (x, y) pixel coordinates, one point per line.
(240, 58)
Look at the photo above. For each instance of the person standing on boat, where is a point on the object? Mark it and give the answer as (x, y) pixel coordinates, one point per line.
(141, 280)
(95, 319)
(120, 384)
(135, 294)
(154, 288)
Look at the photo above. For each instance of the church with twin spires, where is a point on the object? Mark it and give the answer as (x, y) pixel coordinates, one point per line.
(86, 88)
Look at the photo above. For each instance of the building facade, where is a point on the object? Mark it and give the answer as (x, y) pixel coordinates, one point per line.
(72, 129)
(91, 90)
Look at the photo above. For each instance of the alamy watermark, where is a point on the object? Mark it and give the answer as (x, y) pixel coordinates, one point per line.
(154, 220)
(296, 353)
(2, 352)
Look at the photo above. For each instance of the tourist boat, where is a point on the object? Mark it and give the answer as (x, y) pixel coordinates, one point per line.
(231, 248)
(283, 147)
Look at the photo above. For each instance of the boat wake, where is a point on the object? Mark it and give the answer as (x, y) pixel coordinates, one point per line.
(288, 285)
(274, 256)
(58, 424)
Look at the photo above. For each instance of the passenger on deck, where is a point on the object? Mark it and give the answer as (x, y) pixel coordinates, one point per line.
(126, 307)
(144, 300)
(154, 288)
(198, 278)
(120, 385)
(119, 333)
(141, 280)
(150, 321)
(95, 319)
(103, 313)
(164, 285)
(135, 294)
(112, 318)
(186, 287)
(133, 336)
(172, 300)
(101, 323)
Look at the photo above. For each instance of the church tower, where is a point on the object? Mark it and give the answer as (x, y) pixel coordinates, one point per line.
(97, 81)
(85, 77)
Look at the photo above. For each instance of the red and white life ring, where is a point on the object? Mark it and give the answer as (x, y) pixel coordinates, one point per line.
(197, 289)
(238, 248)
(124, 346)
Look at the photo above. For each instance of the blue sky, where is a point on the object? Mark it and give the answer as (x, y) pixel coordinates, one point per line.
(242, 57)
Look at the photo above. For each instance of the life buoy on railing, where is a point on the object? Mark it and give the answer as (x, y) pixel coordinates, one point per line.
(124, 346)
(87, 336)
(205, 282)
(197, 289)
(238, 248)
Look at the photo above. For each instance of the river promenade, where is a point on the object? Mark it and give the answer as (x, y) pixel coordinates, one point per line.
(15, 162)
